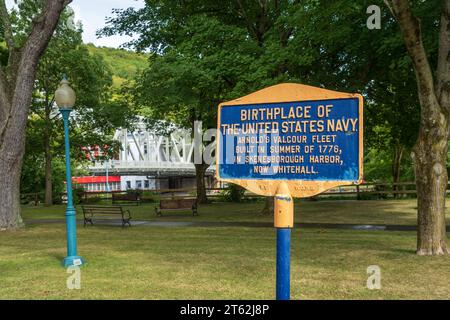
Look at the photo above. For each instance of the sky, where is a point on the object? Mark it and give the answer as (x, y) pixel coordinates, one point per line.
(92, 14)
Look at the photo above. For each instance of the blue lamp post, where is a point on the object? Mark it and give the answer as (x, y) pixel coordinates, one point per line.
(65, 99)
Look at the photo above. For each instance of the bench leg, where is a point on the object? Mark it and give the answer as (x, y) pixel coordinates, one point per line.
(126, 222)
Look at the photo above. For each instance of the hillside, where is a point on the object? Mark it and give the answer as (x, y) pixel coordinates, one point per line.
(124, 64)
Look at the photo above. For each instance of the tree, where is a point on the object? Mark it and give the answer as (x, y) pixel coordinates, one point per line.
(186, 84)
(268, 208)
(196, 63)
(392, 117)
(95, 110)
(16, 87)
(430, 151)
(322, 43)
(89, 76)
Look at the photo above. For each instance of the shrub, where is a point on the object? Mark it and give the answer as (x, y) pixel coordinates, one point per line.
(149, 196)
(78, 193)
(234, 193)
(137, 192)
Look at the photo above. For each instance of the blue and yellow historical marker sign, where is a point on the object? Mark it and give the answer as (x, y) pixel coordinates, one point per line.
(308, 137)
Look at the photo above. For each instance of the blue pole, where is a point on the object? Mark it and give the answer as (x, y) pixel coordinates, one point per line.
(283, 263)
(71, 221)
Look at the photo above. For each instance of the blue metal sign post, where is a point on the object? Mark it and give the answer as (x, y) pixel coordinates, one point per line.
(290, 140)
(283, 263)
(283, 222)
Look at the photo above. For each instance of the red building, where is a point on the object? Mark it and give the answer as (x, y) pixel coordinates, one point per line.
(97, 183)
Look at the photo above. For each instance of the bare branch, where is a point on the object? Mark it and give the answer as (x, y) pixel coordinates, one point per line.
(243, 12)
(389, 5)
(4, 15)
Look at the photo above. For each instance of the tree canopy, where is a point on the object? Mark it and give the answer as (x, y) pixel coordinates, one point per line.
(96, 114)
(203, 54)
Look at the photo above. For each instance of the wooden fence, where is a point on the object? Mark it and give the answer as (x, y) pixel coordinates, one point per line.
(363, 191)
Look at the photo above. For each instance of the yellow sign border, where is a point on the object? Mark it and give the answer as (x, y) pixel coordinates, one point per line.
(282, 93)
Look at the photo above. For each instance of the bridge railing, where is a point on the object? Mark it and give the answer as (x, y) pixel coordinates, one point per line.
(117, 164)
(146, 168)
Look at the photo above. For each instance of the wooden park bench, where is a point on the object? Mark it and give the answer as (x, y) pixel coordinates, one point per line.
(107, 212)
(119, 198)
(177, 204)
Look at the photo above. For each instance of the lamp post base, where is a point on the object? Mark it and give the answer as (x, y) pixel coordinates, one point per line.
(73, 261)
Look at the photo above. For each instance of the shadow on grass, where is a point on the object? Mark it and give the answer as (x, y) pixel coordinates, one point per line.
(404, 251)
(56, 256)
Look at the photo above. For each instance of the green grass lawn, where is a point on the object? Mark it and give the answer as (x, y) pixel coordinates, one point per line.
(225, 263)
(402, 212)
(216, 263)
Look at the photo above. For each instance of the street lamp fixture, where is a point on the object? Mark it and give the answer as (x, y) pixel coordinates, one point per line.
(65, 96)
(65, 99)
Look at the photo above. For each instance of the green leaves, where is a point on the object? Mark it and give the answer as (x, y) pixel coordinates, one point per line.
(96, 114)
(208, 52)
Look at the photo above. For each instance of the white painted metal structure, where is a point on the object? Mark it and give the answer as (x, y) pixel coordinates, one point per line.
(144, 153)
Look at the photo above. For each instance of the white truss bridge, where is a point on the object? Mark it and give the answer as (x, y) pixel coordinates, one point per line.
(146, 153)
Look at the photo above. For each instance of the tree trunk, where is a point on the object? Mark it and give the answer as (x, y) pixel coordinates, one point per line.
(430, 152)
(396, 163)
(16, 86)
(268, 206)
(11, 156)
(200, 170)
(9, 197)
(430, 159)
(48, 160)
